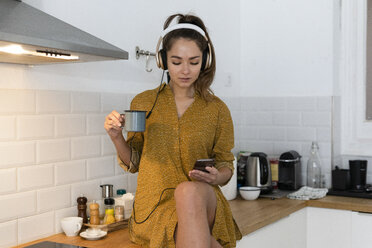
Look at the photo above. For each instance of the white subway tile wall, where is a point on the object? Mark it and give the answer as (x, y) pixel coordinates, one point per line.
(275, 125)
(53, 147)
(27, 231)
(8, 233)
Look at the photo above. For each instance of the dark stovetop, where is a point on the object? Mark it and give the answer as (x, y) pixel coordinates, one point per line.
(350, 193)
(48, 244)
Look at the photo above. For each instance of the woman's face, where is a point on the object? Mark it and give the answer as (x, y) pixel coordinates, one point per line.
(184, 62)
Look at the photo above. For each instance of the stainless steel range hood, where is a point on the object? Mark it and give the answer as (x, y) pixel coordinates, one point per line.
(30, 36)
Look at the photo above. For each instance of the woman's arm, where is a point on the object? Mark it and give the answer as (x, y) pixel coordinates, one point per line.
(113, 123)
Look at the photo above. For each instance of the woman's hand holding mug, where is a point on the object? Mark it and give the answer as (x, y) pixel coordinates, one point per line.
(114, 123)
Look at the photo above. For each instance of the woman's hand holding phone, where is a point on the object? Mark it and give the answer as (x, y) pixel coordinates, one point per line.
(204, 171)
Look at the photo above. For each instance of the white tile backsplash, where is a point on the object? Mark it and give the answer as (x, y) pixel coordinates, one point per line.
(324, 103)
(95, 124)
(36, 176)
(35, 127)
(17, 205)
(53, 150)
(17, 101)
(108, 147)
(114, 101)
(7, 128)
(53, 198)
(70, 172)
(90, 189)
(68, 153)
(85, 147)
(132, 182)
(53, 102)
(100, 167)
(8, 234)
(316, 119)
(258, 118)
(70, 125)
(8, 180)
(82, 102)
(14, 154)
(291, 119)
(272, 133)
(27, 231)
(301, 134)
(301, 103)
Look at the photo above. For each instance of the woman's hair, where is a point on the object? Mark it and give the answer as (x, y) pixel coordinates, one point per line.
(205, 79)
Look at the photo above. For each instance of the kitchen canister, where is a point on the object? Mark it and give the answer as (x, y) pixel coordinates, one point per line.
(230, 190)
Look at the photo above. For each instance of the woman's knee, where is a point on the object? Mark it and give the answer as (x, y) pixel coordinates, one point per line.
(195, 191)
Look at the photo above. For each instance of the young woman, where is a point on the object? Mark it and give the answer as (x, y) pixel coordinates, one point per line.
(176, 205)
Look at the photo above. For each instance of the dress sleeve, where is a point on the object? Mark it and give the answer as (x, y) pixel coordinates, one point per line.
(224, 140)
(135, 142)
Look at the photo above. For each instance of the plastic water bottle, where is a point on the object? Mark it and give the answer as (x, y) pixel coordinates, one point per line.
(314, 167)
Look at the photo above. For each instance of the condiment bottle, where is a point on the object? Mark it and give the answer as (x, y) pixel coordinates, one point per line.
(82, 208)
(109, 216)
(119, 213)
(94, 213)
(109, 203)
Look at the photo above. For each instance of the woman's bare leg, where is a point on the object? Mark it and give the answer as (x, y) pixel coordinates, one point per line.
(196, 206)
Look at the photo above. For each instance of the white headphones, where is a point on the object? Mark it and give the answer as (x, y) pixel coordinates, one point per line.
(161, 55)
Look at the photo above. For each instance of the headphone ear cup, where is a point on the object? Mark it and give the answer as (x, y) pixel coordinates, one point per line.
(205, 59)
(163, 59)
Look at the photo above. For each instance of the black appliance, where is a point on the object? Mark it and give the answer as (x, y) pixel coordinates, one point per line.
(352, 182)
(340, 179)
(289, 171)
(358, 174)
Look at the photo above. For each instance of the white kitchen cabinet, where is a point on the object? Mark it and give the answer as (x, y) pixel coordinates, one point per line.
(361, 234)
(329, 228)
(288, 232)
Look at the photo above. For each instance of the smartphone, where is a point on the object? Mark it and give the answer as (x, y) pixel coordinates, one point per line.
(200, 164)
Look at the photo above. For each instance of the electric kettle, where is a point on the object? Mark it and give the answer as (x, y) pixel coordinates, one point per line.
(258, 172)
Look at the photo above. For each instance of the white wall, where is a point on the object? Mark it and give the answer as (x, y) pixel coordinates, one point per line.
(127, 24)
(287, 47)
(277, 48)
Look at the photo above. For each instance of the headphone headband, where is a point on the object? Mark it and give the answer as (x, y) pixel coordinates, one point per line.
(161, 63)
(185, 26)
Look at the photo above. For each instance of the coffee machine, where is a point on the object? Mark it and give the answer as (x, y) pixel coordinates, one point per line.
(289, 171)
(358, 174)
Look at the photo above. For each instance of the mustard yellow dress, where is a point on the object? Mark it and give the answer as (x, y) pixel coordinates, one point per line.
(165, 153)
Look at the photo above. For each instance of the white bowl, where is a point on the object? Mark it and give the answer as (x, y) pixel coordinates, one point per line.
(249, 193)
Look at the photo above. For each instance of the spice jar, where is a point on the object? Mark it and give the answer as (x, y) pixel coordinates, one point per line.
(109, 216)
(119, 213)
(94, 213)
(109, 203)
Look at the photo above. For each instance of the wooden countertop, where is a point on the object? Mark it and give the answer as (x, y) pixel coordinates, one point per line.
(249, 215)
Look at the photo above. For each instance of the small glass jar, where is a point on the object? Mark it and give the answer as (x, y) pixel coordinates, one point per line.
(109, 216)
(119, 213)
(109, 203)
